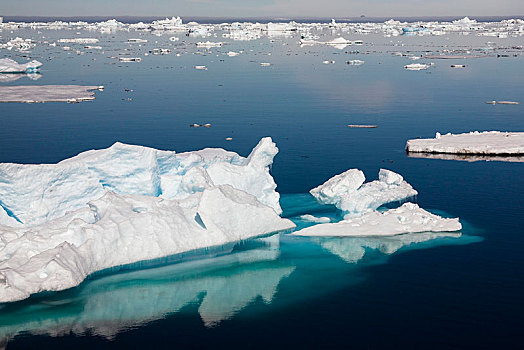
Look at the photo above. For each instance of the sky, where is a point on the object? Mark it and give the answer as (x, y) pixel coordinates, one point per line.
(261, 8)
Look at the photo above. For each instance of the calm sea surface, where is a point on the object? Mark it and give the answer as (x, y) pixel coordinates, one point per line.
(453, 291)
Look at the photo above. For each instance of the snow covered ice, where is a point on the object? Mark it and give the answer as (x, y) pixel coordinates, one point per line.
(349, 193)
(48, 93)
(474, 143)
(104, 208)
(409, 218)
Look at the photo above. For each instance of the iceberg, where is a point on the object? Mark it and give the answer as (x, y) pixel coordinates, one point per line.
(349, 193)
(48, 93)
(8, 65)
(408, 218)
(61, 222)
(485, 143)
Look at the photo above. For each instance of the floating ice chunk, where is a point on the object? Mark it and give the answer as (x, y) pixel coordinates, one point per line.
(232, 54)
(348, 192)
(201, 67)
(8, 65)
(135, 40)
(339, 186)
(265, 64)
(355, 62)
(130, 59)
(117, 230)
(48, 93)
(209, 44)
(79, 41)
(409, 218)
(416, 66)
(481, 143)
(311, 218)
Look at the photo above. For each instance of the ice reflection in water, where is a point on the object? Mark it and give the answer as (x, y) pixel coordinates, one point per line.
(106, 306)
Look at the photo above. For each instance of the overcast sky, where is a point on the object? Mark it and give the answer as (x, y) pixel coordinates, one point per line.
(255, 8)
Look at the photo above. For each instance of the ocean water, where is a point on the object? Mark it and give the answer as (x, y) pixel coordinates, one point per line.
(415, 291)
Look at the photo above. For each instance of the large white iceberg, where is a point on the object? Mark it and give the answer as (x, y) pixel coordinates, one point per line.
(481, 143)
(409, 218)
(62, 222)
(8, 65)
(348, 192)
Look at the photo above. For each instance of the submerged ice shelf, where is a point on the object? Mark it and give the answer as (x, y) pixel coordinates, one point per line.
(104, 208)
(409, 218)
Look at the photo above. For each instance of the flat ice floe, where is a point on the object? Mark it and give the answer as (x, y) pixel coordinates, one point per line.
(48, 93)
(409, 218)
(8, 65)
(59, 223)
(474, 143)
(349, 193)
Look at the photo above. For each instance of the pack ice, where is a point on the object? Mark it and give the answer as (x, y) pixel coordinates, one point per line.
(104, 208)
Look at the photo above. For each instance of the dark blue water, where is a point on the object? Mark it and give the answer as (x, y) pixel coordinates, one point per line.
(448, 292)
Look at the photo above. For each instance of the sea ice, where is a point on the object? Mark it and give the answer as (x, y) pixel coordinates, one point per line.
(8, 65)
(48, 93)
(348, 192)
(60, 223)
(408, 218)
(479, 143)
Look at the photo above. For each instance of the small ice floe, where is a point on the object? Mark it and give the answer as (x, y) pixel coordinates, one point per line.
(232, 54)
(18, 44)
(328, 62)
(355, 62)
(133, 40)
(48, 93)
(311, 218)
(209, 44)
(201, 67)
(409, 218)
(79, 41)
(229, 138)
(473, 143)
(159, 51)
(362, 126)
(508, 103)
(130, 59)
(89, 47)
(195, 125)
(8, 65)
(174, 38)
(265, 64)
(416, 66)
(458, 66)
